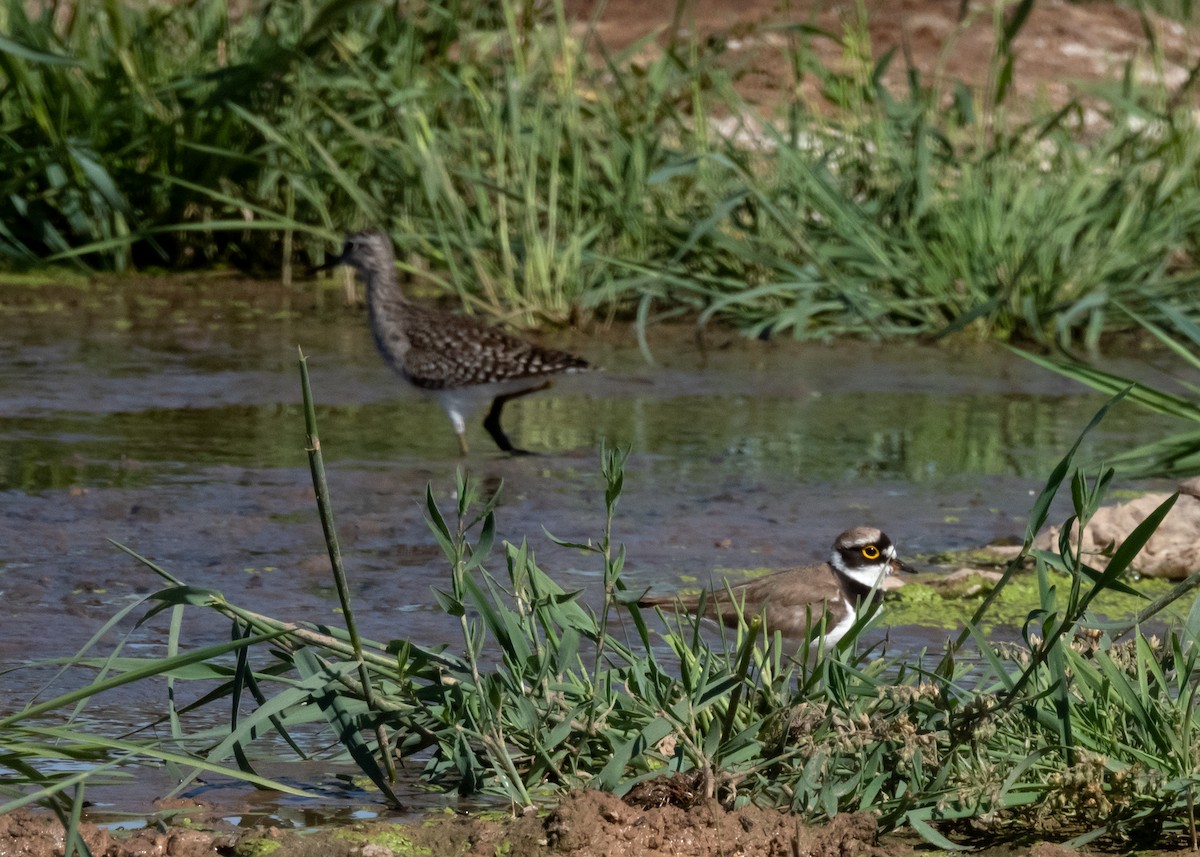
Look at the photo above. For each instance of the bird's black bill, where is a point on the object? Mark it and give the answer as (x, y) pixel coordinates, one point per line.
(898, 564)
(334, 261)
(329, 265)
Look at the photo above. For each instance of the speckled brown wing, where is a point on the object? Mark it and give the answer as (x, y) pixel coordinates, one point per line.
(447, 351)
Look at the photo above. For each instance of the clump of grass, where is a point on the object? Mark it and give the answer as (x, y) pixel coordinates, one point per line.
(102, 102)
(49, 759)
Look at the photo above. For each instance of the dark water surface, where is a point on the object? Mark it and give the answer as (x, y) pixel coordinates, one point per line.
(166, 417)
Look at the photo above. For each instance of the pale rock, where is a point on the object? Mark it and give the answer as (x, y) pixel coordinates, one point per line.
(1173, 552)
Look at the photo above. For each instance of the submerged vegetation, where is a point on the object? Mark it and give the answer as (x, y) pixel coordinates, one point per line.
(1079, 729)
(537, 177)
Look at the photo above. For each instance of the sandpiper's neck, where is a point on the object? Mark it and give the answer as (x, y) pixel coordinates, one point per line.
(383, 291)
(386, 307)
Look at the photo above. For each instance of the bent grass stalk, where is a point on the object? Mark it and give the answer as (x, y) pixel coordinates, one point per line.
(321, 487)
(1177, 454)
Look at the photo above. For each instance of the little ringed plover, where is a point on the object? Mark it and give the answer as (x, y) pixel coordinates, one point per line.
(793, 601)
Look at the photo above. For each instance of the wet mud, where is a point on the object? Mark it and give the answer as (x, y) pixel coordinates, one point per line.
(585, 824)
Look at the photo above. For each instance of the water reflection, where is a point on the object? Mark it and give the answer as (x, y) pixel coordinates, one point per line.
(913, 438)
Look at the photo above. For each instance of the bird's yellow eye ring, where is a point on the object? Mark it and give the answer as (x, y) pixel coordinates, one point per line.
(870, 552)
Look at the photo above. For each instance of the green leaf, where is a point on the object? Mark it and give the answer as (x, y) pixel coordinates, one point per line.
(160, 666)
(438, 524)
(345, 725)
(919, 821)
(613, 772)
(1192, 625)
(483, 545)
(16, 49)
(1134, 542)
(1041, 507)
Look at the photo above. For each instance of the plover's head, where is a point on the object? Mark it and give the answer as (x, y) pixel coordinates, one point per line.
(866, 555)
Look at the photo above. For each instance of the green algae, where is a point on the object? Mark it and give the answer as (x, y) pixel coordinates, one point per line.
(392, 838)
(928, 606)
(257, 847)
(52, 276)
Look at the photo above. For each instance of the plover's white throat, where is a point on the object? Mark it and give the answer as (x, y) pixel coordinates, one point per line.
(794, 600)
(463, 362)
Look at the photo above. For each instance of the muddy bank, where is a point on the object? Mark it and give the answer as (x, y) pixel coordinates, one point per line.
(586, 824)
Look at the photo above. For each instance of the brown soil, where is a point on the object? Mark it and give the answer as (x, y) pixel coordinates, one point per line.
(1061, 51)
(586, 824)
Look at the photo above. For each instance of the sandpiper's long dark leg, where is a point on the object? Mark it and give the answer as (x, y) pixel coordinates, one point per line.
(492, 421)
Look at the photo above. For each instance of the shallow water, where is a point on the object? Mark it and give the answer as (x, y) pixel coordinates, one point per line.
(166, 417)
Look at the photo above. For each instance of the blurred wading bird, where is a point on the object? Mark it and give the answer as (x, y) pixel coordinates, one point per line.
(464, 363)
